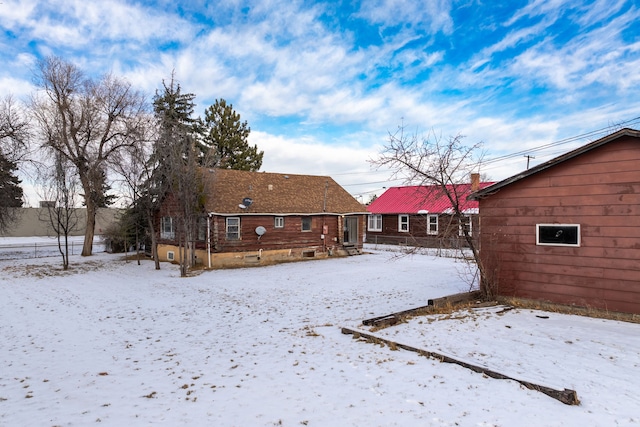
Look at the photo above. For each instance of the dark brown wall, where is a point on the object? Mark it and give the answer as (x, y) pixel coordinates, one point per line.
(600, 190)
(447, 229)
(290, 236)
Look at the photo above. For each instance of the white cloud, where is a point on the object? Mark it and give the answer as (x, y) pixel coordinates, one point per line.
(308, 155)
(592, 57)
(19, 88)
(347, 163)
(276, 59)
(14, 13)
(431, 15)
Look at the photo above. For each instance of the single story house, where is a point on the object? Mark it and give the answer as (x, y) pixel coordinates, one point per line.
(423, 215)
(259, 218)
(568, 230)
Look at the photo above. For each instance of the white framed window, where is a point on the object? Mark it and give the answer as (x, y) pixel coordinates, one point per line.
(374, 223)
(278, 222)
(432, 224)
(558, 235)
(202, 229)
(306, 223)
(233, 228)
(403, 223)
(465, 223)
(167, 228)
(171, 256)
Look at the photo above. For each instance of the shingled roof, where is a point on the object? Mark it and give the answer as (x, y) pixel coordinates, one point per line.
(276, 193)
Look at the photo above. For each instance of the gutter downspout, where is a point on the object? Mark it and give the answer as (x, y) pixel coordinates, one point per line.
(324, 211)
(209, 239)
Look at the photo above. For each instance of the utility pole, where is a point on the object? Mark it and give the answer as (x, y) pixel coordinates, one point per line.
(529, 157)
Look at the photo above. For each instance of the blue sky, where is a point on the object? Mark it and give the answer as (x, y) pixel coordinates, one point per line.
(323, 83)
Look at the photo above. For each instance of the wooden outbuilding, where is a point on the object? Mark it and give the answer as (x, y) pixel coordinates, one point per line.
(568, 230)
(253, 218)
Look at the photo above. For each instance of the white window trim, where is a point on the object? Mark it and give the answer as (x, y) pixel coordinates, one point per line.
(278, 222)
(302, 224)
(571, 245)
(235, 225)
(171, 233)
(429, 231)
(171, 256)
(201, 229)
(376, 220)
(400, 223)
(460, 232)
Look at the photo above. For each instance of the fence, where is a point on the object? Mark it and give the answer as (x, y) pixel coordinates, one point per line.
(42, 249)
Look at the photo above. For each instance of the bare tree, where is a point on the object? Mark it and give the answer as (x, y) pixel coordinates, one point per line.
(60, 190)
(14, 130)
(137, 170)
(14, 134)
(443, 164)
(86, 122)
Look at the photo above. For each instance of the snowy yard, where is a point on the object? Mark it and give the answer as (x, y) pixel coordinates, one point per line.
(115, 343)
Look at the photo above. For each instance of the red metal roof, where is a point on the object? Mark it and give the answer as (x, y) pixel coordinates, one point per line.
(420, 198)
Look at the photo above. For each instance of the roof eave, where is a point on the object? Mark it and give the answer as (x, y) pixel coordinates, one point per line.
(285, 213)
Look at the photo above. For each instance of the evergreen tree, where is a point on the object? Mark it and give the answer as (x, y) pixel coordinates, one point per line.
(226, 135)
(10, 190)
(100, 194)
(14, 132)
(176, 132)
(176, 159)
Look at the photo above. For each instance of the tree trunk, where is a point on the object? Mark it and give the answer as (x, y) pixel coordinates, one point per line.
(154, 241)
(87, 248)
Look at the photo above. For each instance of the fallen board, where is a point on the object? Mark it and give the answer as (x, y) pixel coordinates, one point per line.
(566, 396)
(393, 318)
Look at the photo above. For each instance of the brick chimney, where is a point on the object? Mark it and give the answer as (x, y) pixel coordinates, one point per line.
(475, 181)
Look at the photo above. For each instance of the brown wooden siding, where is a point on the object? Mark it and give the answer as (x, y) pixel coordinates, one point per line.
(600, 190)
(290, 236)
(448, 231)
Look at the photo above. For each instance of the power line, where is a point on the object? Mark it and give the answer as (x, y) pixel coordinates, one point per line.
(375, 182)
(511, 156)
(558, 143)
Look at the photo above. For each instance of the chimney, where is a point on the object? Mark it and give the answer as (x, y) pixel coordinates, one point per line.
(475, 181)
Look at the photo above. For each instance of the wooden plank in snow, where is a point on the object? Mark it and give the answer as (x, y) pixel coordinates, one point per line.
(566, 396)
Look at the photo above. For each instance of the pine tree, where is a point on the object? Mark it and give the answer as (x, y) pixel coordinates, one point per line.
(225, 133)
(10, 190)
(176, 158)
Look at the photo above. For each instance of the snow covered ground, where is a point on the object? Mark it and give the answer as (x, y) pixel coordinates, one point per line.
(42, 246)
(115, 343)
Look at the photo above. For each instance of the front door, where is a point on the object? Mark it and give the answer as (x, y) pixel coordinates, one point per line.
(351, 230)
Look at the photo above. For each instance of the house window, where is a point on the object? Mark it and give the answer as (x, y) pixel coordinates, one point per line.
(465, 223)
(167, 228)
(233, 228)
(432, 224)
(403, 223)
(306, 223)
(202, 229)
(558, 234)
(375, 223)
(279, 222)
